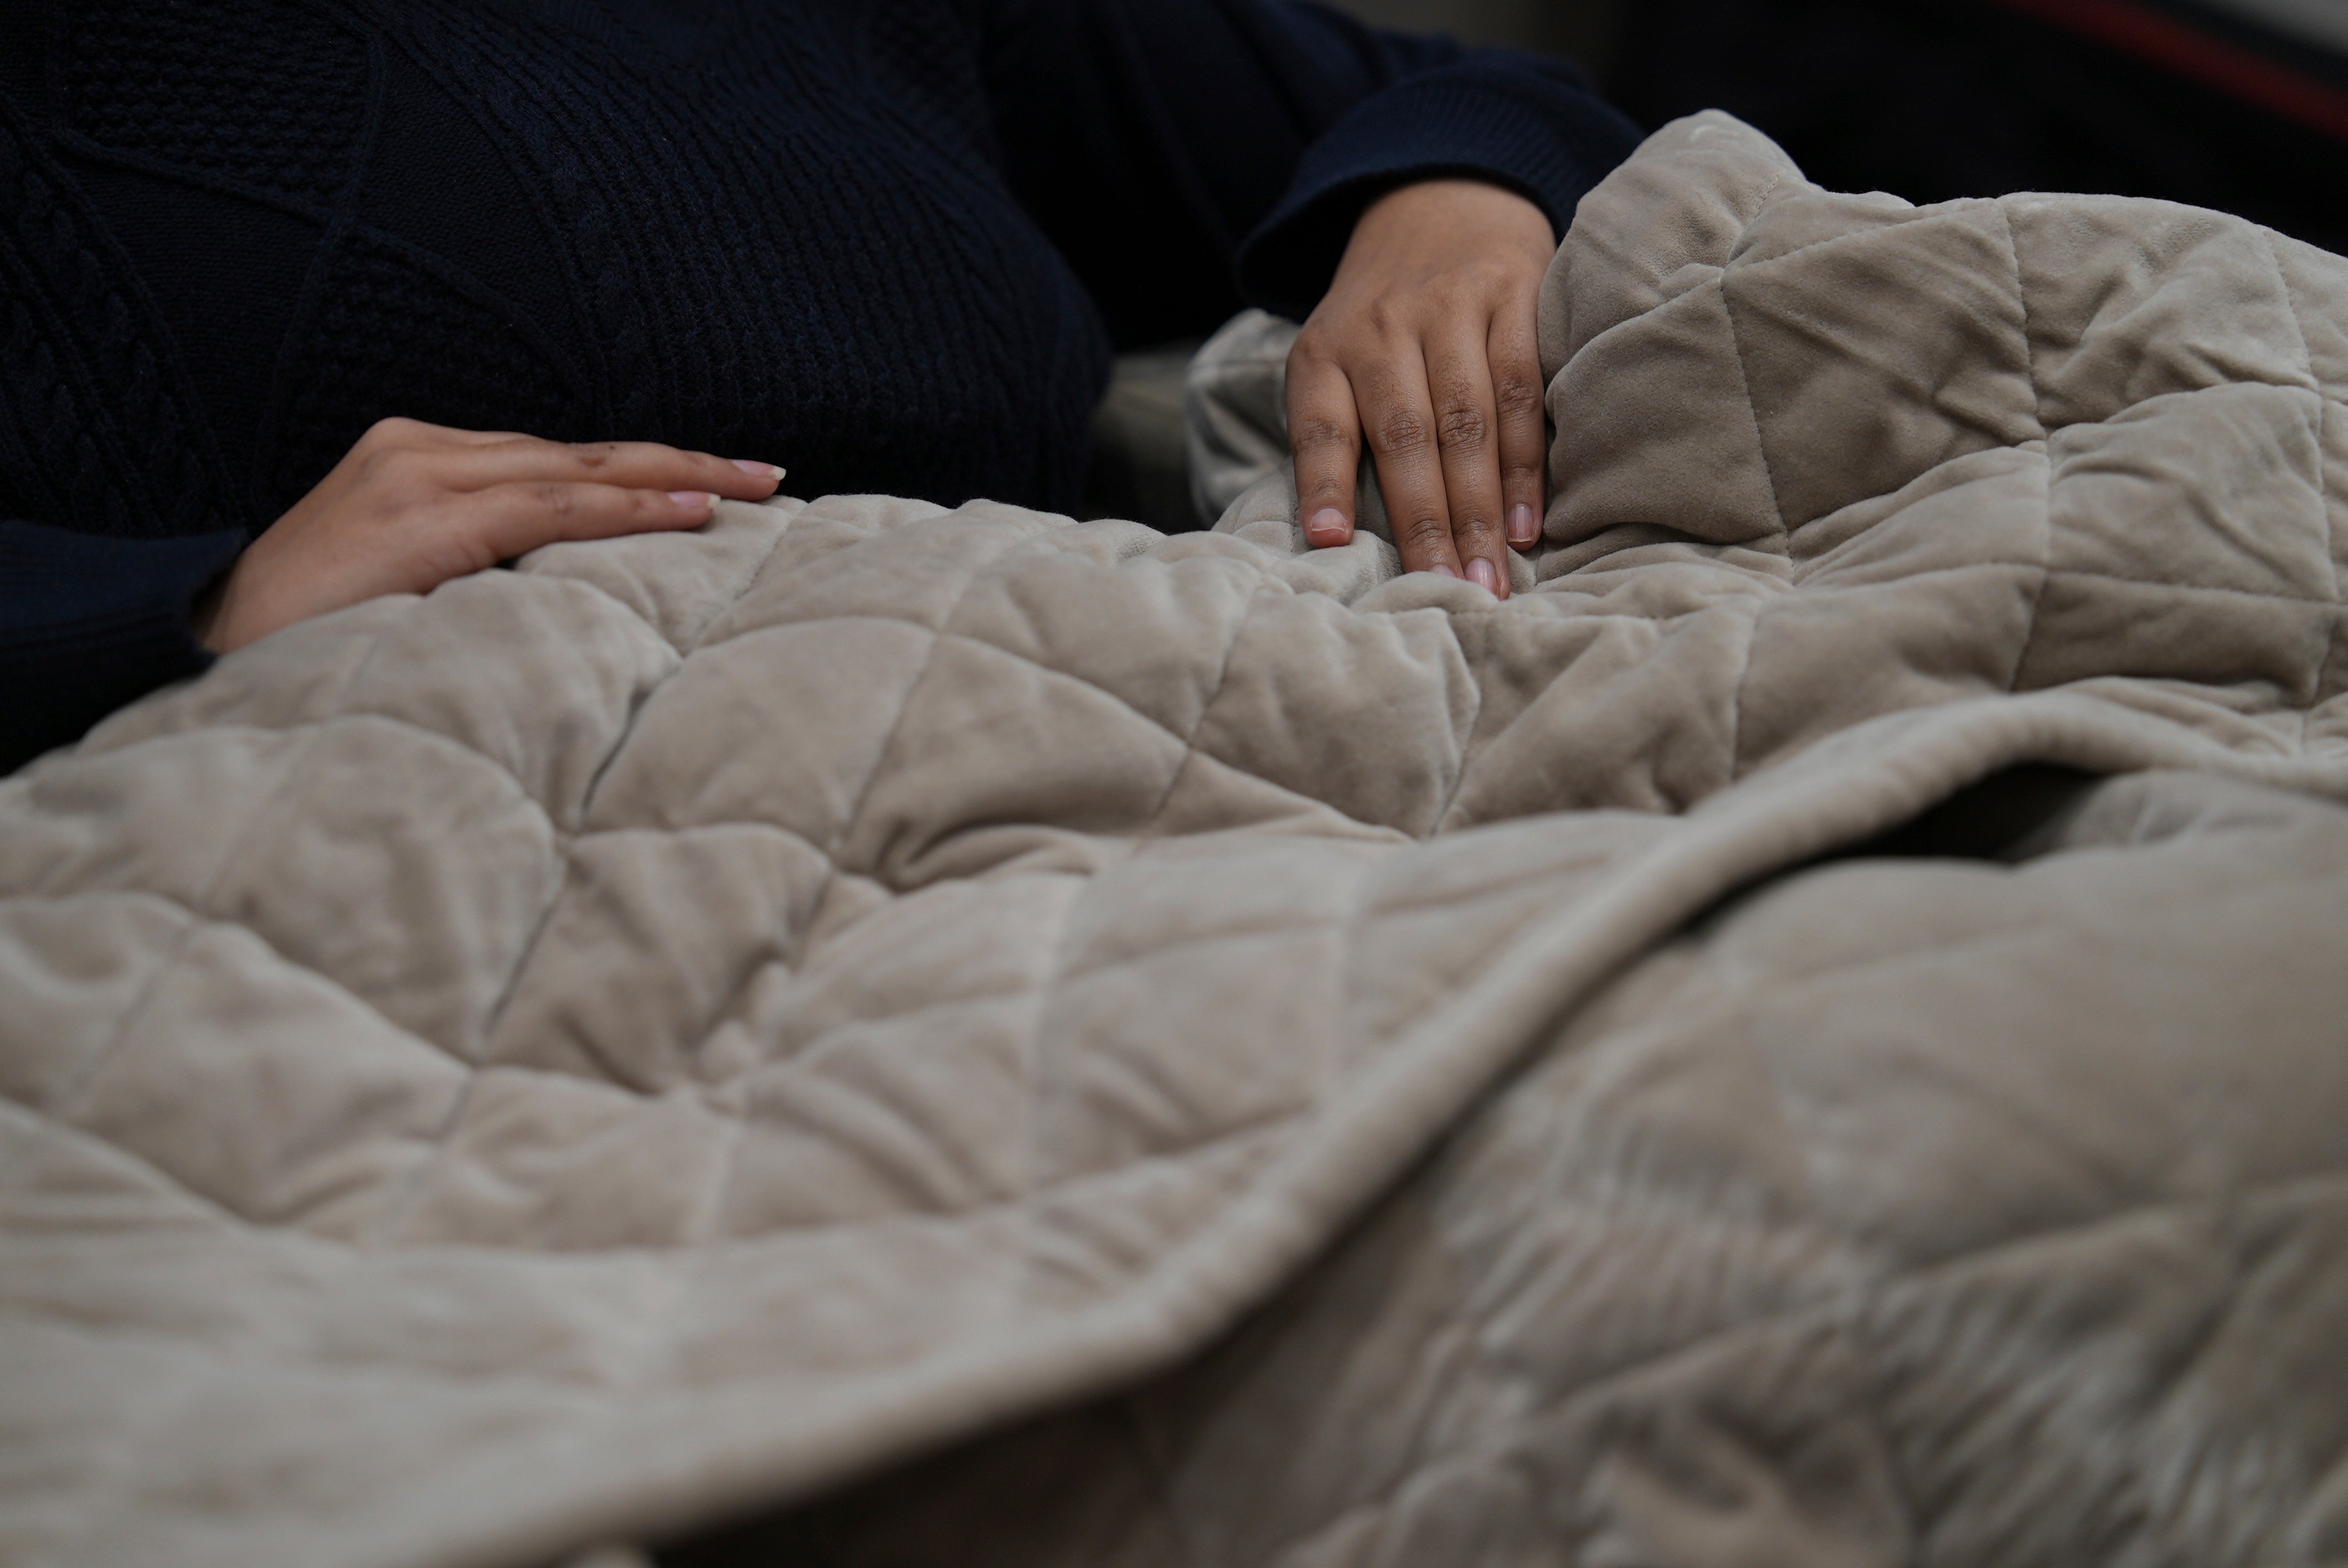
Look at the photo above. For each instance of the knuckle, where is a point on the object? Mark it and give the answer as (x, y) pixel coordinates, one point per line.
(392, 430)
(387, 462)
(1390, 316)
(560, 502)
(1317, 433)
(1424, 535)
(1401, 433)
(1463, 429)
(1517, 395)
(1455, 293)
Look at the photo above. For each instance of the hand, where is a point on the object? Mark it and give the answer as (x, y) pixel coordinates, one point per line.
(1425, 347)
(414, 505)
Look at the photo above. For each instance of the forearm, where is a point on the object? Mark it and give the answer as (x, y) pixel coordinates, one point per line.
(1528, 125)
(1174, 149)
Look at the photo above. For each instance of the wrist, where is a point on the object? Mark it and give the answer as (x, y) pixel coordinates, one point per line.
(1465, 201)
(219, 618)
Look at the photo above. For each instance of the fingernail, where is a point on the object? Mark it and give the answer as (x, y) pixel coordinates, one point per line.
(1328, 523)
(1443, 569)
(1524, 528)
(694, 499)
(1484, 575)
(763, 470)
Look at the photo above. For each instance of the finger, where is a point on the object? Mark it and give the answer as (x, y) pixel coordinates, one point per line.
(1459, 379)
(590, 455)
(1324, 433)
(1398, 420)
(623, 465)
(1518, 399)
(508, 520)
(646, 466)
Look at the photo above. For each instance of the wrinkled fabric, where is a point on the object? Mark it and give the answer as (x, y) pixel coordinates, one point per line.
(680, 1025)
(1235, 409)
(1982, 1209)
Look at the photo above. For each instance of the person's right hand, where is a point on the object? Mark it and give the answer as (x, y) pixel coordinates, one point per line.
(414, 505)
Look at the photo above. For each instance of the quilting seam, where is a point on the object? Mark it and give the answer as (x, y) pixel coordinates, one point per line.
(938, 635)
(1929, 212)
(2045, 469)
(63, 1102)
(595, 777)
(1214, 693)
(725, 1178)
(293, 1232)
(2323, 498)
(58, 1127)
(1044, 1087)
(1468, 747)
(1776, 507)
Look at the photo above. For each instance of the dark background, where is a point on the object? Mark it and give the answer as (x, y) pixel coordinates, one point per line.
(1932, 99)
(1583, 30)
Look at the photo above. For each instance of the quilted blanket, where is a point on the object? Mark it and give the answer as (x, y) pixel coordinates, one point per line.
(957, 1035)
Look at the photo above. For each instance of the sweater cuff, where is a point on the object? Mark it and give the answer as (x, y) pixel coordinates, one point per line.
(89, 622)
(1493, 116)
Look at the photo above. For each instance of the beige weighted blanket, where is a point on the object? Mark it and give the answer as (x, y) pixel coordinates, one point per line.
(694, 1020)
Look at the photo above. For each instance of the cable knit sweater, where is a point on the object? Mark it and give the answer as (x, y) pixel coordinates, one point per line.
(889, 243)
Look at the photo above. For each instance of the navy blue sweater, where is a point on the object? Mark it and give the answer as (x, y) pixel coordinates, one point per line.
(889, 243)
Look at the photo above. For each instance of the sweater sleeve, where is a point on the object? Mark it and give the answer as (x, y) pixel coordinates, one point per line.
(89, 622)
(1189, 156)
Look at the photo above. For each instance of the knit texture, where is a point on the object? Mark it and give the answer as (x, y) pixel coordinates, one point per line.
(890, 245)
(257, 98)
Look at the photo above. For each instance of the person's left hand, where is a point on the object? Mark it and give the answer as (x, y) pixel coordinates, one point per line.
(1425, 347)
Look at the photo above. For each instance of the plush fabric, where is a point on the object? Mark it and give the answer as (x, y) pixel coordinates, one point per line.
(696, 1020)
(1977, 1200)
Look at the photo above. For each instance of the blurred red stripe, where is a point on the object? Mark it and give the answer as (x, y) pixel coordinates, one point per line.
(2178, 47)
